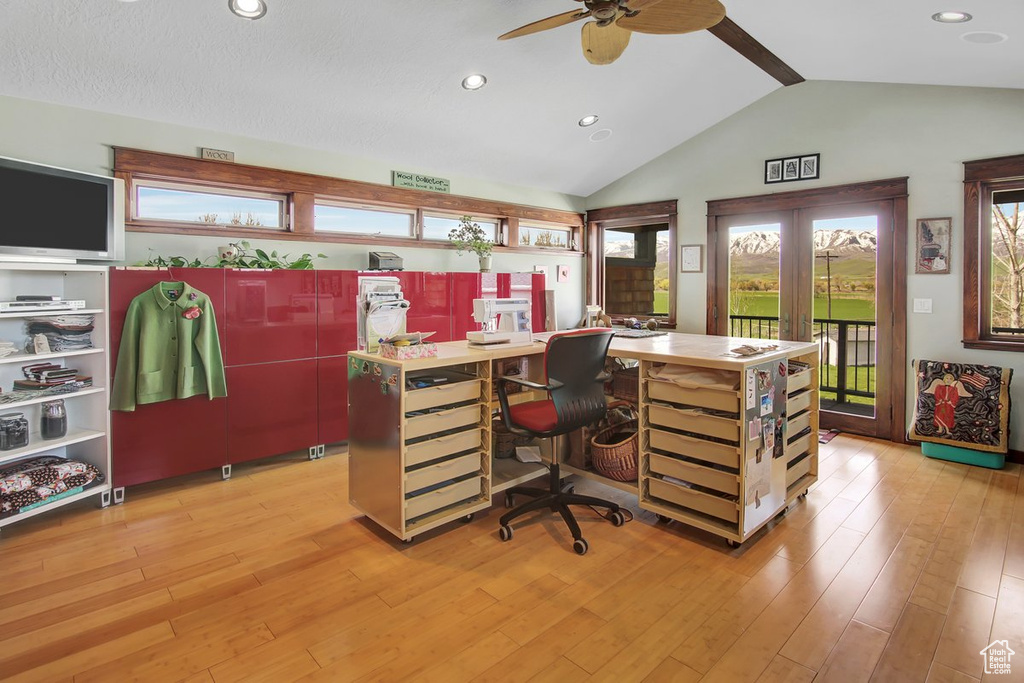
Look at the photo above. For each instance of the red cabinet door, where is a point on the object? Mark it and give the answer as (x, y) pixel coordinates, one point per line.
(161, 440)
(271, 315)
(336, 292)
(429, 296)
(271, 409)
(465, 288)
(540, 302)
(332, 399)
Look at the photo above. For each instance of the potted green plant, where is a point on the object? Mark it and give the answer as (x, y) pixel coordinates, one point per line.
(469, 236)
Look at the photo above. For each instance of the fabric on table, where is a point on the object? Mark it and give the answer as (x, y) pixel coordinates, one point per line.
(694, 378)
(962, 404)
(168, 350)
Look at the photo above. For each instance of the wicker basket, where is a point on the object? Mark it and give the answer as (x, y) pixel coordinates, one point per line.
(626, 384)
(617, 460)
(504, 442)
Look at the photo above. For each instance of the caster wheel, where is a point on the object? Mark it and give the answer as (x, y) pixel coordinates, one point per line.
(618, 519)
(408, 541)
(662, 519)
(510, 500)
(505, 533)
(580, 546)
(468, 518)
(732, 544)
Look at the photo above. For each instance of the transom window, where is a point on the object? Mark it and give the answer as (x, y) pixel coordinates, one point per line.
(159, 201)
(544, 236)
(363, 220)
(438, 227)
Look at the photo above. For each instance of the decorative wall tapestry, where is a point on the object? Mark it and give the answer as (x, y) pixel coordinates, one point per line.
(960, 404)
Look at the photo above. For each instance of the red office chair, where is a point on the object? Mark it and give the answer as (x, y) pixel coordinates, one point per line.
(574, 368)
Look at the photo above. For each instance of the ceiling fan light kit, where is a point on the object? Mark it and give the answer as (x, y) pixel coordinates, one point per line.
(248, 9)
(588, 120)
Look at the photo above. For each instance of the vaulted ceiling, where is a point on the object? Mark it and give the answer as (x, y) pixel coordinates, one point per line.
(381, 79)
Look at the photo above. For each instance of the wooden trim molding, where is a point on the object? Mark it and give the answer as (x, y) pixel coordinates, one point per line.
(301, 191)
(648, 210)
(853, 193)
(981, 178)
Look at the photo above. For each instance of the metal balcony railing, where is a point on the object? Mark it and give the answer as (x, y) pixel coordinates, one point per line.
(847, 349)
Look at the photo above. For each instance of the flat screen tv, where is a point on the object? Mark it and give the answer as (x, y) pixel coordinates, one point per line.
(55, 213)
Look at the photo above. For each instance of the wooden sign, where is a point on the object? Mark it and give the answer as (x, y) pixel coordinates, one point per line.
(415, 181)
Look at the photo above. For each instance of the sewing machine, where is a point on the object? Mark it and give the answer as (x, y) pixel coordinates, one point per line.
(505, 321)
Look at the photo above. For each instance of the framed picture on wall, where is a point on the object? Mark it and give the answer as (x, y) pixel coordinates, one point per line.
(773, 171)
(934, 237)
(691, 258)
(791, 168)
(809, 166)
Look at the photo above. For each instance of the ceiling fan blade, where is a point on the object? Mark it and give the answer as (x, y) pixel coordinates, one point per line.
(545, 24)
(732, 35)
(603, 44)
(675, 16)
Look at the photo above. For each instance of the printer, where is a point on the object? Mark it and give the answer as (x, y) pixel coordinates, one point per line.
(385, 260)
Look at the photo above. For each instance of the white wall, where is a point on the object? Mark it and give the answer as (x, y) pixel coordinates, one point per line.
(864, 132)
(81, 139)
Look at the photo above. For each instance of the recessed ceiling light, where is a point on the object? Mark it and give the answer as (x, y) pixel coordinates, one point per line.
(601, 135)
(248, 9)
(951, 17)
(474, 81)
(984, 37)
(588, 120)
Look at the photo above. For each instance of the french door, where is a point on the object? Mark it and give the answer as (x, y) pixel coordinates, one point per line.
(824, 271)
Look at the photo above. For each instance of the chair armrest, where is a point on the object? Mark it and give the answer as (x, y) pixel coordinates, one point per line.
(555, 384)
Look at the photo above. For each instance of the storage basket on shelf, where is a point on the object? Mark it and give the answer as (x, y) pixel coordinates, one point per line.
(613, 450)
(625, 382)
(504, 442)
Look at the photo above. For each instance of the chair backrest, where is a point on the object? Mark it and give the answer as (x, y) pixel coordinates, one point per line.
(576, 359)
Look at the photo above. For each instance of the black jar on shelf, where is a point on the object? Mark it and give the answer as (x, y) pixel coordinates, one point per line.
(55, 420)
(13, 431)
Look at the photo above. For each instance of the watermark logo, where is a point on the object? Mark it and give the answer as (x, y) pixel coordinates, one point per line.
(997, 657)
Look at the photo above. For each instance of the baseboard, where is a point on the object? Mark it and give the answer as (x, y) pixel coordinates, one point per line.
(1015, 456)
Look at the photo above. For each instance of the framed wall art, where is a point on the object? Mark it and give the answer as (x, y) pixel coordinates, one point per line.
(934, 237)
(788, 169)
(691, 258)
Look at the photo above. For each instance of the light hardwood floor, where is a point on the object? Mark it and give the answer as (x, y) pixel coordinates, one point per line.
(896, 568)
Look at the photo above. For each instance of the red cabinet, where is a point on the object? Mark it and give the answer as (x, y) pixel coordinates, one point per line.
(161, 440)
(336, 292)
(429, 295)
(332, 399)
(271, 409)
(271, 315)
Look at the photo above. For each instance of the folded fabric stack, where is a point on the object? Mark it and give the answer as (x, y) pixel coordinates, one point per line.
(7, 348)
(26, 484)
(63, 332)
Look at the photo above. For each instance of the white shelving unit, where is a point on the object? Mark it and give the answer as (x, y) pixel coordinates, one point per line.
(87, 438)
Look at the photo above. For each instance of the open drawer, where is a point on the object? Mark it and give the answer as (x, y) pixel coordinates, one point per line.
(716, 399)
(452, 468)
(694, 473)
(694, 500)
(798, 380)
(442, 394)
(718, 453)
(694, 421)
(441, 421)
(455, 492)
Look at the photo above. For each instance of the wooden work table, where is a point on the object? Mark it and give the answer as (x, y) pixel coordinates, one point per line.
(420, 457)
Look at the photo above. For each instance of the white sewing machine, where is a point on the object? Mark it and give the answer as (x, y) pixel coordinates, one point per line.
(505, 321)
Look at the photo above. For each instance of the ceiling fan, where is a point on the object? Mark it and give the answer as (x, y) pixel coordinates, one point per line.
(612, 23)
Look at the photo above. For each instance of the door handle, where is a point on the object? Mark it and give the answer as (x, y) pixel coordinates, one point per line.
(803, 326)
(785, 319)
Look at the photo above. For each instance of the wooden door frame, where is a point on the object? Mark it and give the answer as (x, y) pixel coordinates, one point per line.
(890, 189)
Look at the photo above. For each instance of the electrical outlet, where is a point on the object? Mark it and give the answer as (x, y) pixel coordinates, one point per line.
(922, 305)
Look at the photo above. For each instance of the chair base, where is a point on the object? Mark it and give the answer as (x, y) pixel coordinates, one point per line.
(558, 499)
